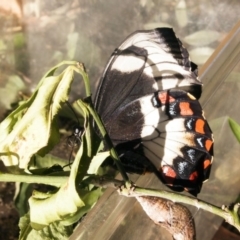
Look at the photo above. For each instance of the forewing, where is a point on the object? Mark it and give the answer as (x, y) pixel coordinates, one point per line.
(147, 61)
(144, 100)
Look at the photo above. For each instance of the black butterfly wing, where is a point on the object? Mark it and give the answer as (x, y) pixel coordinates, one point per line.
(147, 61)
(147, 82)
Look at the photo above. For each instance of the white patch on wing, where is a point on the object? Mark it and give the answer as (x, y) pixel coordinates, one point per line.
(149, 129)
(172, 149)
(160, 57)
(168, 157)
(164, 125)
(160, 63)
(157, 68)
(162, 151)
(186, 138)
(151, 116)
(162, 138)
(154, 50)
(127, 63)
(173, 125)
(172, 145)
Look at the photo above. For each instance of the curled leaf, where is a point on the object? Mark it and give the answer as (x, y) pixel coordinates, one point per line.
(175, 217)
(55, 230)
(89, 198)
(32, 127)
(69, 200)
(97, 161)
(54, 207)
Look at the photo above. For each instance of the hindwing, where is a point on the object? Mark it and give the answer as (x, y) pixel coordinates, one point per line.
(148, 98)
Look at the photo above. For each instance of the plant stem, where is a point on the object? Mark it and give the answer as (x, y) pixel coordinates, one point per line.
(81, 70)
(49, 180)
(231, 216)
(177, 197)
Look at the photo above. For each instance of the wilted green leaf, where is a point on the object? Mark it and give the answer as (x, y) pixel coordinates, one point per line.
(97, 162)
(54, 231)
(25, 227)
(89, 198)
(235, 128)
(47, 161)
(32, 127)
(54, 207)
(68, 200)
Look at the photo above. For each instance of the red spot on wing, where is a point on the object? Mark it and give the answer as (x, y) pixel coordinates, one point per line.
(206, 164)
(165, 98)
(193, 177)
(199, 127)
(208, 144)
(169, 174)
(185, 109)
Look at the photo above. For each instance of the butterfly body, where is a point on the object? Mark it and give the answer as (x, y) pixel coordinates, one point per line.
(148, 99)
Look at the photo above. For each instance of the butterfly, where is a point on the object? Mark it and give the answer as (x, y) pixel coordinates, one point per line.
(147, 99)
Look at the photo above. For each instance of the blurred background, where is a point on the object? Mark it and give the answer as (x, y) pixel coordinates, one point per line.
(35, 35)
